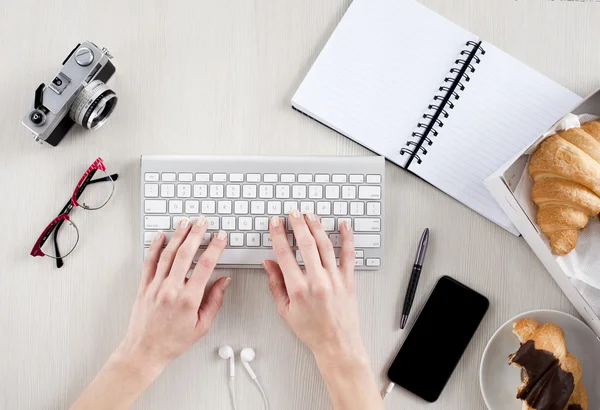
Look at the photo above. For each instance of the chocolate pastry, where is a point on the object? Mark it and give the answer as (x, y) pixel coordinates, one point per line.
(552, 375)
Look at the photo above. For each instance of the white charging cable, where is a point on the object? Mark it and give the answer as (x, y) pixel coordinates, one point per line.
(232, 392)
(388, 390)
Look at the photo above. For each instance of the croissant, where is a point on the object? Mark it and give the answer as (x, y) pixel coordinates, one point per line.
(552, 375)
(566, 173)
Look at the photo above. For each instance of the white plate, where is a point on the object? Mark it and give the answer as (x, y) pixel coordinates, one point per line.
(499, 381)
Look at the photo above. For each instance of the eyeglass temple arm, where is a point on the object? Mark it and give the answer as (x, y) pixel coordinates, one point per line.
(67, 209)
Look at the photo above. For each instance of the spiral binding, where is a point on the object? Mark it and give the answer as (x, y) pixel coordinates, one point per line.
(460, 74)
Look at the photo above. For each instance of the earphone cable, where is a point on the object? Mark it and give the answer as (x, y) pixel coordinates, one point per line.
(262, 392)
(232, 392)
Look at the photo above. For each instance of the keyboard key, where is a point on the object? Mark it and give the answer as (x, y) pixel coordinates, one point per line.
(369, 192)
(228, 223)
(233, 191)
(185, 177)
(265, 191)
(149, 237)
(367, 225)
(202, 177)
(321, 178)
(359, 262)
(288, 178)
(167, 190)
(157, 222)
(289, 206)
(155, 206)
(373, 179)
(213, 222)
(257, 207)
(323, 208)
(299, 191)
(273, 207)
(200, 191)
(216, 191)
(307, 207)
(261, 223)
(373, 208)
(348, 192)
(282, 191)
(177, 219)
(192, 207)
(151, 190)
(271, 178)
(249, 191)
(175, 206)
(253, 178)
(266, 240)
(357, 179)
(184, 190)
(208, 207)
(367, 241)
(151, 176)
(343, 220)
(373, 262)
(252, 239)
(328, 224)
(245, 223)
(224, 207)
(339, 178)
(336, 239)
(236, 239)
(359, 254)
(219, 177)
(315, 192)
(332, 192)
(357, 208)
(241, 256)
(290, 238)
(340, 208)
(305, 178)
(241, 207)
(168, 177)
(236, 177)
(206, 239)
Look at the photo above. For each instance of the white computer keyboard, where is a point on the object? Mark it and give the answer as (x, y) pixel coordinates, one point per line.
(240, 194)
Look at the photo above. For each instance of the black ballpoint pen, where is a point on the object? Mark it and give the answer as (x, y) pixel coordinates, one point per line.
(414, 278)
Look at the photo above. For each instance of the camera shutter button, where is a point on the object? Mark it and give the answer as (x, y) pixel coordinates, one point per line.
(84, 56)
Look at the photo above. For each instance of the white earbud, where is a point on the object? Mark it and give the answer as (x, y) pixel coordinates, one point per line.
(226, 352)
(247, 355)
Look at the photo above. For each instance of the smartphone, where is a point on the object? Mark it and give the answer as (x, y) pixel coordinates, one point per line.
(438, 339)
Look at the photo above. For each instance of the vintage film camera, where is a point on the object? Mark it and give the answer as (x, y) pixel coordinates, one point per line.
(78, 94)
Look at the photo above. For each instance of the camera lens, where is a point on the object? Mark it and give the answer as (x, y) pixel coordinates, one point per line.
(93, 105)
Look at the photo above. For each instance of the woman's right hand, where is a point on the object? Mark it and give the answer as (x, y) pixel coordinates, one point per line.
(318, 305)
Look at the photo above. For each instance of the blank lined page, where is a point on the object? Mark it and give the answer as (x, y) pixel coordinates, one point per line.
(503, 109)
(378, 72)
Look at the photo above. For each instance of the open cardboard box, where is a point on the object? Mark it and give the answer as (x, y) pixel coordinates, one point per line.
(508, 184)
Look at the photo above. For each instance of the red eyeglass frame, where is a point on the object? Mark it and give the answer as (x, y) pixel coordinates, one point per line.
(63, 216)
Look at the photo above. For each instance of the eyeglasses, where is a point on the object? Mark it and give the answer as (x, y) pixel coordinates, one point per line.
(89, 194)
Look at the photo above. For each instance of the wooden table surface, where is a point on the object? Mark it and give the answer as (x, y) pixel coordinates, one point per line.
(216, 77)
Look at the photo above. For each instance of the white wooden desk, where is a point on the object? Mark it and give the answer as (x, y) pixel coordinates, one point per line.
(216, 77)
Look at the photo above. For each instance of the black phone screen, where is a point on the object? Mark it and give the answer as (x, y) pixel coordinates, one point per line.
(438, 339)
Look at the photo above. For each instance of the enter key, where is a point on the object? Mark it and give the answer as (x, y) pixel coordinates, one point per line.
(367, 224)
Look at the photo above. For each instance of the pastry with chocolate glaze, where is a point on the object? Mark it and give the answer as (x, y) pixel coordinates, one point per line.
(552, 375)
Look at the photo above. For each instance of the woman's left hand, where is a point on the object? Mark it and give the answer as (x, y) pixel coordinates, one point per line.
(169, 314)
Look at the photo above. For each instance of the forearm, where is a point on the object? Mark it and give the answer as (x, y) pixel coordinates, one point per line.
(120, 382)
(350, 382)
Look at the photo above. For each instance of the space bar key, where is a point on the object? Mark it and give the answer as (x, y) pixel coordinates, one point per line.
(243, 256)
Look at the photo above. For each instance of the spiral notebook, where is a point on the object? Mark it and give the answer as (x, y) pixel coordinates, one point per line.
(429, 96)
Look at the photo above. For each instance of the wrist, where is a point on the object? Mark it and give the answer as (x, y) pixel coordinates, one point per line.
(341, 359)
(136, 363)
